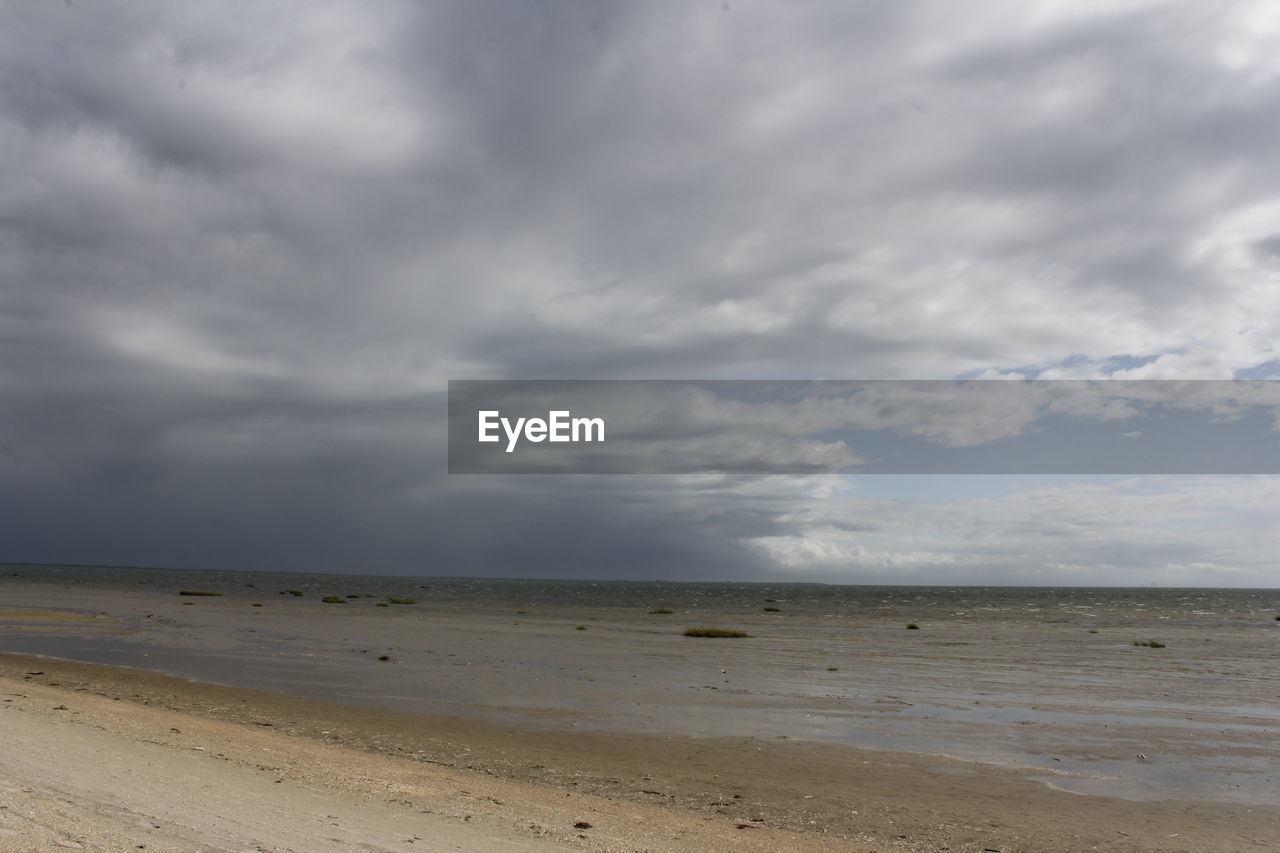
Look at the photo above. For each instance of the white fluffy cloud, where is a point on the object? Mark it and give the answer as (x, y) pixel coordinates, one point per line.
(1206, 531)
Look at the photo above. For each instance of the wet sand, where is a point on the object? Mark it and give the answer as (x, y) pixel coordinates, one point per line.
(1023, 732)
(95, 756)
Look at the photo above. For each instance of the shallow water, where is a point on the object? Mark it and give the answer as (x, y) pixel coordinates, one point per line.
(1048, 679)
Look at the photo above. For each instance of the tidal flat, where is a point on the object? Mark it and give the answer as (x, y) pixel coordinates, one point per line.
(1048, 687)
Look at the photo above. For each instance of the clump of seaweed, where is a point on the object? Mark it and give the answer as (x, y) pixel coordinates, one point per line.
(334, 599)
(708, 631)
(580, 627)
(1154, 644)
(771, 609)
(661, 610)
(382, 604)
(911, 626)
(393, 600)
(197, 592)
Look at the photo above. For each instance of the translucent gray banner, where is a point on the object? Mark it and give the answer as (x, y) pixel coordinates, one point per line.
(864, 426)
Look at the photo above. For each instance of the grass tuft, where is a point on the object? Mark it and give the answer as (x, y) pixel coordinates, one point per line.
(402, 601)
(714, 632)
(1154, 644)
(334, 599)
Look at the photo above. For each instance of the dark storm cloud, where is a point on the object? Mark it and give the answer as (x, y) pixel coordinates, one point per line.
(243, 246)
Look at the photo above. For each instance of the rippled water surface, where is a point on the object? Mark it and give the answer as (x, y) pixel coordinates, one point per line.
(1043, 678)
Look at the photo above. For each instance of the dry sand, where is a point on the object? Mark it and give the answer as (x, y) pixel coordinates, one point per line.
(112, 759)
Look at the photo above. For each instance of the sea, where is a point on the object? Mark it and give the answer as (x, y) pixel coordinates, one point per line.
(1143, 693)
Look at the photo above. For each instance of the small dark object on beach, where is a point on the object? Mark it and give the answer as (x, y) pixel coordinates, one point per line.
(197, 592)
(582, 824)
(1154, 644)
(580, 627)
(661, 610)
(294, 591)
(256, 604)
(770, 600)
(402, 600)
(911, 626)
(714, 632)
(771, 609)
(383, 604)
(384, 657)
(833, 669)
(334, 599)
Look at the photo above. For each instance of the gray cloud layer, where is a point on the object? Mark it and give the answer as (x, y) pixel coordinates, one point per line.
(242, 246)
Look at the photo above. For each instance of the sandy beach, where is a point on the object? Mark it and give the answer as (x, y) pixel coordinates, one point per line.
(479, 726)
(104, 758)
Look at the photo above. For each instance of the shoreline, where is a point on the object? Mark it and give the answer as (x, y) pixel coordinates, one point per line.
(1059, 687)
(784, 794)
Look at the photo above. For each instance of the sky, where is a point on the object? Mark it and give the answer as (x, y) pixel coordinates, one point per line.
(244, 246)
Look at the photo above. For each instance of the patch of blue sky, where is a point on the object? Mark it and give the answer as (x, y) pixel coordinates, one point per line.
(1265, 370)
(1116, 363)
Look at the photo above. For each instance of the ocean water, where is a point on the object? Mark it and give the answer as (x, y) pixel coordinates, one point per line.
(1155, 605)
(1045, 679)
